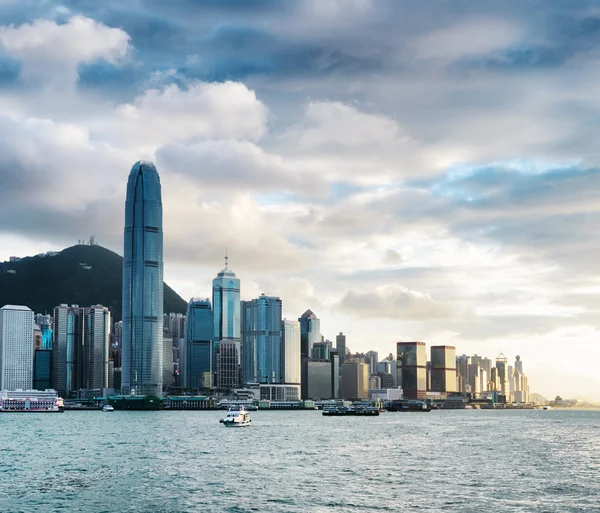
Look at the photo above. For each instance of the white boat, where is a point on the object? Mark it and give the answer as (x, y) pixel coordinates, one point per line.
(107, 407)
(237, 416)
(546, 407)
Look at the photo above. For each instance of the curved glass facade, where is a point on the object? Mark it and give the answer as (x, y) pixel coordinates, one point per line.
(142, 351)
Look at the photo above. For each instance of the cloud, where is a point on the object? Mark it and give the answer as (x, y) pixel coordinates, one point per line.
(51, 53)
(394, 302)
(233, 164)
(200, 111)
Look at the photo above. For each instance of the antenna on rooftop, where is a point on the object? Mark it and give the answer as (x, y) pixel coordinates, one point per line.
(226, 257)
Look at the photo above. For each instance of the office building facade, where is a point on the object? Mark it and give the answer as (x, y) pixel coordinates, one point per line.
(355, 379)
(226, 307)
(262, 340)
(411, 365)
(310, 332)
(228, 364)
(340, 346)
(196, 352)
(290, 347)
(142, 335)
(443, 369)
(16, 348)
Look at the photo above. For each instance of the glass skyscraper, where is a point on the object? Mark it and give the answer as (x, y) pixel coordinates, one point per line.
(310, 332)
(262, 340)
(142, 335)
(196, 356)
(226, 308)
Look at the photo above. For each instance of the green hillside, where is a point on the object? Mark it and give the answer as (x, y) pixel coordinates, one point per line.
(42, 282)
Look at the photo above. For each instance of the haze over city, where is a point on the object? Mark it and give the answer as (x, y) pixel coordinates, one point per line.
(427, 177)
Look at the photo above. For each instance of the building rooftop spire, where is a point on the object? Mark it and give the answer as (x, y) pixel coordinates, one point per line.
(226, 258)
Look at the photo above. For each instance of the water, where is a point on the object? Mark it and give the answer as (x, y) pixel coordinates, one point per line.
(546, 461)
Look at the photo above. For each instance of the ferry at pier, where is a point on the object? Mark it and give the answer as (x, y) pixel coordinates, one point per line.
(237, 416)
(30, 401)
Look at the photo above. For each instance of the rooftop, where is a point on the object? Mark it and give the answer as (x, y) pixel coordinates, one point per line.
(16, 307)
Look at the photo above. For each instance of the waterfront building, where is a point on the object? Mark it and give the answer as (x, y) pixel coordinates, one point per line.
(340, 346)
(355, 379)
(443, 369)
(142, 351)
(196, 351)
(323, 378)
(226, 308)
(42, 360)
(502, 366)
(16, 347)
(262, 337)
(411, 362)
(228, 365)
(290, 349)
(484, 363)
(279, 392)
(310, 332)
(66, 346)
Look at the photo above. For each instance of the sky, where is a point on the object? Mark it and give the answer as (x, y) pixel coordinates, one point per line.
(407, 170)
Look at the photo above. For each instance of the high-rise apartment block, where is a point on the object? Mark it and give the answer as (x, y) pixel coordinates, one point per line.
(142, 338)
(16, 348)
(411, 361)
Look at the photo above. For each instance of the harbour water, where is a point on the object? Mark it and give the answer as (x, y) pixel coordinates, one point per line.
(542, 461)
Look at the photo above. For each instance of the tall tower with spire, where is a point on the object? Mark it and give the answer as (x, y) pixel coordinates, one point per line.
(226, 308)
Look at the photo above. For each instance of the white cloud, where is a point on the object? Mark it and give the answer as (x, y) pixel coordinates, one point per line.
(50, 53)
(200, 111)
(394, 302)
(233, 164)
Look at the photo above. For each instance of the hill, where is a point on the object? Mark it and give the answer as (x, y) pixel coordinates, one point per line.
(43, 282)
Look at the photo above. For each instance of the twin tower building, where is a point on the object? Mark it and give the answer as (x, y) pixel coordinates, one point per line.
(214, 333)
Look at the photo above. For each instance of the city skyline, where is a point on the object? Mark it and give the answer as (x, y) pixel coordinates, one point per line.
(436, 185)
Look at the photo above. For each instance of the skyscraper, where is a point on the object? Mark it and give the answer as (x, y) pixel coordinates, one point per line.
(261, 343)
(142, 336)
(355, 379)
(502, 366)
(93, 360)
(290, 352)
(16, 348)
(67, 344)
(340, 345)
(226, 307)
(196, 355)
(411, 367)
(310, 332)
(443, 368)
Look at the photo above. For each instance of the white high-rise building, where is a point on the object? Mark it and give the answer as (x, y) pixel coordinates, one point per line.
(291, 351)
(16, 348)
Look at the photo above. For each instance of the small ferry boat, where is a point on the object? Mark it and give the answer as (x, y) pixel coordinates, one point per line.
(107, 408)
(546, 407)
(237, 416)
(408, 405)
